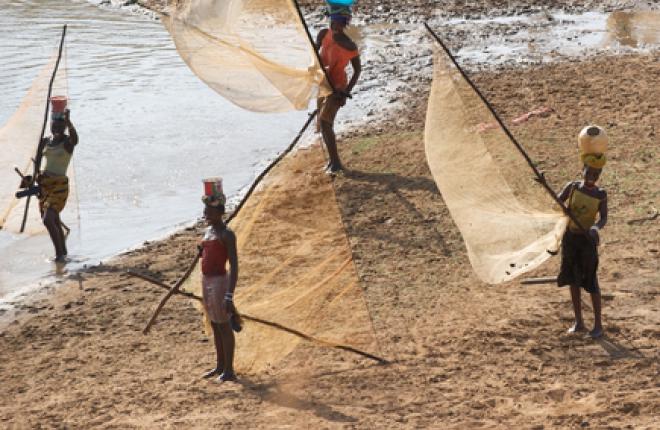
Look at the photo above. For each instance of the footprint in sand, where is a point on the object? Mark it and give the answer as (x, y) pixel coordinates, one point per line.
(558, 394)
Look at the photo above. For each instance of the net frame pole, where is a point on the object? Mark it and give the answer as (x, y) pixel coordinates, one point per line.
(40, 145)
(256, 182)
(313, 43)
(272, 164)
(276, 326)
(174, 289)
(540, 177)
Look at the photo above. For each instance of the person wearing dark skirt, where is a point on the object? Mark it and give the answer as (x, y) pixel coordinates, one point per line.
(579, 252)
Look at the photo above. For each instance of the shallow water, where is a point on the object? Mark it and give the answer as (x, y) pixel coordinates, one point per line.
(546, 37)
(149, 130)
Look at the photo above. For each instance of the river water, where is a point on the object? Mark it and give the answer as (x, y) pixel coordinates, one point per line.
(149, 131)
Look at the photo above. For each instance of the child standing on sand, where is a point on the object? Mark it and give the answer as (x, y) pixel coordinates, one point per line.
(218, 246)
(579, 254)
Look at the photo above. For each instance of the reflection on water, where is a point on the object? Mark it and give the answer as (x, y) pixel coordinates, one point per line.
(634, 29)
(149, 129)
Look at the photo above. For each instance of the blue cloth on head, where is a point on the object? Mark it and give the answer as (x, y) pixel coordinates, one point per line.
(343, 19)
(339, 10)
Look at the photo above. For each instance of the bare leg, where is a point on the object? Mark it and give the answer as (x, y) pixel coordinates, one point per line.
(51, 221)
(52, 233)
(330, 140)
(577, 309)
(61, 233)
(219, 354)
(228, 344)
(598, 325)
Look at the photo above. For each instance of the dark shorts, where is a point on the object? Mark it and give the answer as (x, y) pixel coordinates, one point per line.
(579, 262)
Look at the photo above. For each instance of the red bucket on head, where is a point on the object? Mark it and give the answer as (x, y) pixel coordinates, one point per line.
(212, 186)
(58, 103)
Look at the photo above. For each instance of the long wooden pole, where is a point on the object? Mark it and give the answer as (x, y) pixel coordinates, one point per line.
(313, 43)
(272, 164)
(256, 182)
(262, 321)
(40, 145)
(540, 178)
(172, 291)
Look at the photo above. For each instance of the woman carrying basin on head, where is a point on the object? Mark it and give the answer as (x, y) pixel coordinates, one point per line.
(53, 181)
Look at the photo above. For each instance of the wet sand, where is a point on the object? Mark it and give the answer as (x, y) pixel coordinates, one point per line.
(465, 354)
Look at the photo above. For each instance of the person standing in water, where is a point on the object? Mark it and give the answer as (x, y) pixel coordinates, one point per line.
(218, 247)
(579, 253)
(53, 182)
(336, 50)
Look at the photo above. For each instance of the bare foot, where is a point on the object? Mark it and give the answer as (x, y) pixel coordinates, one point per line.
(334, 169)
(211, 373)
(577, 328)
(226, 377)
(596, 333)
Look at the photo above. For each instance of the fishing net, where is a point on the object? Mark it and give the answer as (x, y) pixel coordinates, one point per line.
(634, 28)
(296, 267)
(19, 139)
(508, 221)
(255, 53)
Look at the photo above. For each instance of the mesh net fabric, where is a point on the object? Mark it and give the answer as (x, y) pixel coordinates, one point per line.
(255, 53)
(19, 139)
(296, 267)
(507, 220)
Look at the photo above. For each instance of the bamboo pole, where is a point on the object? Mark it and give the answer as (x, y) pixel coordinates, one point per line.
(40, 145)
(256, 182)
(172, 290)
(540, 178)
(261, 321)
(313, 43)
(541, 280)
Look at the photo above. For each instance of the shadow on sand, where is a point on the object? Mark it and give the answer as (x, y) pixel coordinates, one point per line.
(275, 393)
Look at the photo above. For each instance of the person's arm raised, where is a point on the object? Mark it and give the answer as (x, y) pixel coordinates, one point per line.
(73, 134)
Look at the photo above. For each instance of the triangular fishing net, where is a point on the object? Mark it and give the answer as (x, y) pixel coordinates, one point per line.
(19, 139)
(508, 221)
(255, 53)
(296, 267)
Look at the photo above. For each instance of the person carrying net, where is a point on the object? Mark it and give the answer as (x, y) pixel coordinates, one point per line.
(336, 51)
(218, 247)
(53, 181)
(579, 253)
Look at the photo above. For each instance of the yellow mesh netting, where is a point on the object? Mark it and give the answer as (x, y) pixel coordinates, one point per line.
(255, 53)
(634, 28)
(507, 220)
(296, 267)
(19, 139)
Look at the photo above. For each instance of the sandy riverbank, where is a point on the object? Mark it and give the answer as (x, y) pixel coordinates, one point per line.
(465, 355)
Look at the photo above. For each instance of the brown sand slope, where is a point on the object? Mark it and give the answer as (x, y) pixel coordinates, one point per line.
(467, 354)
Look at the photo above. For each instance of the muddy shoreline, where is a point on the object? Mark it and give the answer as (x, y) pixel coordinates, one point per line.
(416, 10)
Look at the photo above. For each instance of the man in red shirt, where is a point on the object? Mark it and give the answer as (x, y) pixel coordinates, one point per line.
(336, 50)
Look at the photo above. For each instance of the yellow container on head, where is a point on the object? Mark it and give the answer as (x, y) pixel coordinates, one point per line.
(592, 140)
